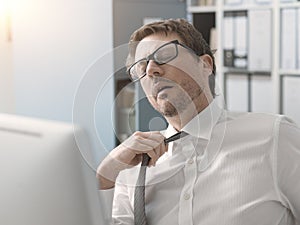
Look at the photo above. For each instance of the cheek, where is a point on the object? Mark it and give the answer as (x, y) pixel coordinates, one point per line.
(196, 69)
(146, 86)
(152, 101)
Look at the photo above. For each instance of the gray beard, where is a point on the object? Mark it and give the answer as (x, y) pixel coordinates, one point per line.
(171, 109)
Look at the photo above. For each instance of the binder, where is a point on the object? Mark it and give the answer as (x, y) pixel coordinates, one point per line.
(235, 26)
(228, 43)
(206, 2)
(260, 40)
(291, 97)
(240, 40)
(288, 38)
(201, 2)
(262, 99)
(210, 2)
(237, 92)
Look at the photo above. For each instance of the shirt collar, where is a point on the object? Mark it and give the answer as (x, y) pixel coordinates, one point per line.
(201, 126)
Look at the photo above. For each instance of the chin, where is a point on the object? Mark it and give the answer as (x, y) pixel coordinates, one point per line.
(167, 110)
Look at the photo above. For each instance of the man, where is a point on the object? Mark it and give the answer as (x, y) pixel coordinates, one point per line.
(231, 168)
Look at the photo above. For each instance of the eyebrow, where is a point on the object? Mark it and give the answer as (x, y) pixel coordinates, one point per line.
(150, 45)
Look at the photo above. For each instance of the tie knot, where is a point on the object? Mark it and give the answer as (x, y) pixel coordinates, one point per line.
(176, 136)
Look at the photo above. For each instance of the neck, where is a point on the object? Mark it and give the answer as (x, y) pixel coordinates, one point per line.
(182, 118)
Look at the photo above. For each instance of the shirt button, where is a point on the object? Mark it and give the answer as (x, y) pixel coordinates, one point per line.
(191, 161)
(186, 196)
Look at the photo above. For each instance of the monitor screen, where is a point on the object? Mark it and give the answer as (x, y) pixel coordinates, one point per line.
(43, 178)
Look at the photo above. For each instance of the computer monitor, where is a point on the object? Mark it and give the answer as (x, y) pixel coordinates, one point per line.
(43, 178)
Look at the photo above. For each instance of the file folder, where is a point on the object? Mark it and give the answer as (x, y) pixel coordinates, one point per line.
(291, 97)
(237, 92)
(228, 41)
(260, 40)
(240, 40)
(288, 38)
(201, 2)
(235, 39)
(262, 99)
(210, 2)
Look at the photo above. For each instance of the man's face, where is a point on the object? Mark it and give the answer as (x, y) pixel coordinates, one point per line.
(177, 86)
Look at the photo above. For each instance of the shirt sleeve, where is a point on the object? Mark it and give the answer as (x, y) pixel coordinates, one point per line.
(288, 166)
(122, 211)
(106, 199)
(117, 208)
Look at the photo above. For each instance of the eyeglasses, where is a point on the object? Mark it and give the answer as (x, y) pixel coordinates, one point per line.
(164, 54)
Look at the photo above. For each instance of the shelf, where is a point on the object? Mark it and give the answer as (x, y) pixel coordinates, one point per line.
(290, 5)
(289, 72)
(229, 8)
(200, 9)
(268, 77)
(244, 71)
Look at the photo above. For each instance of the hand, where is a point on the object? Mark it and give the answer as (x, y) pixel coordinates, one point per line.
(129, 153)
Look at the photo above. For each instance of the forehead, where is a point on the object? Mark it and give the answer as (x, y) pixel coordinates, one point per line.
(150, 43)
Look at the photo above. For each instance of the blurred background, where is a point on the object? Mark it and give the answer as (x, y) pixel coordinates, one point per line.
(47, 48)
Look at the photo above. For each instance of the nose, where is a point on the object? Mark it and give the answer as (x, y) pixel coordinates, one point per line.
(153, 69)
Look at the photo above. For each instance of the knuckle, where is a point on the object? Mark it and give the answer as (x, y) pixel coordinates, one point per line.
(137, 133)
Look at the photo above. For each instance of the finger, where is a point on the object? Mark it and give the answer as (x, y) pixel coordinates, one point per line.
(153, 157)
(153, 135)
(145, 142)
(137, 159)
(141, 144)
(140, 148)
(138, 144)
(164, 148)
(159, 151)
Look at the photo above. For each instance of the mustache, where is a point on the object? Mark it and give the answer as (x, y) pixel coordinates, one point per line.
(161, 83)
(162, 80)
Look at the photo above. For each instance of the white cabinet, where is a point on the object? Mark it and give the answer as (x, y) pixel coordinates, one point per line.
(268, 31)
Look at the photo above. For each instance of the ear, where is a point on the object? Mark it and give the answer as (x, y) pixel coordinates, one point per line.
(207, 62)
(208, 65)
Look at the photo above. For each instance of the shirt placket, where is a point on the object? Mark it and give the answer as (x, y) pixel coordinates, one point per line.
(190, 175)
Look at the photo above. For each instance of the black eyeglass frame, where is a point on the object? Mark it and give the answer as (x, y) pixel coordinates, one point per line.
(151, 57)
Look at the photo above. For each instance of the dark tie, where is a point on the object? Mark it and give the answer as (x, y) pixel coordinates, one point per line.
(139, 193)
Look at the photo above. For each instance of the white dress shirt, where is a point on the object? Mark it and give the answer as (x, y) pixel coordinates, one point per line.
(232, 169)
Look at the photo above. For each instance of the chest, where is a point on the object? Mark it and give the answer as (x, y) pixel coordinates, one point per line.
(237, 186)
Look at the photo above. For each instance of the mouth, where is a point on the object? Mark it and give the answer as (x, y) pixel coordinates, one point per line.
(159, 90)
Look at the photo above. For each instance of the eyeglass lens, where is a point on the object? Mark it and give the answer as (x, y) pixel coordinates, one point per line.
(162, 55)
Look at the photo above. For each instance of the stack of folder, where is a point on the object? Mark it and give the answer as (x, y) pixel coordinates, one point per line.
(290, 97)
(247, 39)
(235, 39)
(290, 38)
(206, 2)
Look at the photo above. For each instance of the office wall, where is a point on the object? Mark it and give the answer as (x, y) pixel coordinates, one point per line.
(129, 14)
(6, 79)
(54, 43)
